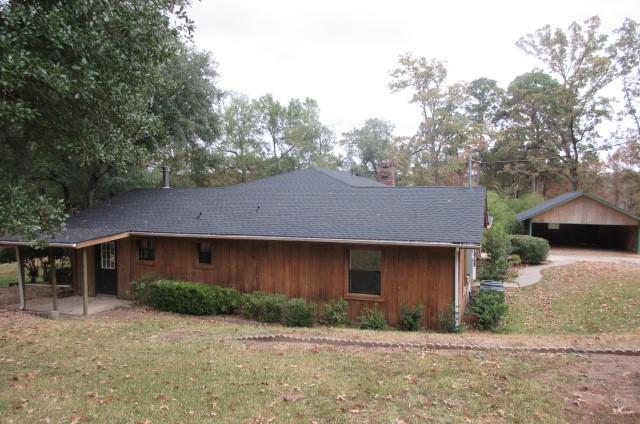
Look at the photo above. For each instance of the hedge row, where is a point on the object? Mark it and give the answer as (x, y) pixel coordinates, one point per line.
(204, 299)
(531, 250)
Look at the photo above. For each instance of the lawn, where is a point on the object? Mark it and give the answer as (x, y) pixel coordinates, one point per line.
(582, 298)
(146, 367)
(8, 274)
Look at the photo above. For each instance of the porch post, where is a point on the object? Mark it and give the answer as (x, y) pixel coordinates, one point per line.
(23, 302)
(456, 291)
(53, 278)
(85, 284)
(530, 228)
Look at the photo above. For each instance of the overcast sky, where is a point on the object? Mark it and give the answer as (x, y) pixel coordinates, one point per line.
(341, 52)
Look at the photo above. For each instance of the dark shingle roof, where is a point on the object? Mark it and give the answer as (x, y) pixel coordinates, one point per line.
(564, 198)
(312, 203)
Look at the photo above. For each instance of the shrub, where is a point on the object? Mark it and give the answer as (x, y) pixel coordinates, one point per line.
(141, 291)
(263, 306)
(532, 250)
(226, 300)
(496, 244)
(185, 297)
(410, 318)
(335, 313)
(372, 319)
(487, 309)
(514, 260)
(182, 297)
(447, 321)
(298, 313)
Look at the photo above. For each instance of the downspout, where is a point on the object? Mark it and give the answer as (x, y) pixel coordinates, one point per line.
(456, 273)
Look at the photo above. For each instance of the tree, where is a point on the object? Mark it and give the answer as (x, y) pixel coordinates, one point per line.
(242, 142)
(369, 145)
(527, 147)
(436, 145)
(628, 45)
(75, 103)
(482, 106)
(306, 139)
(186, 103)
(584, 63)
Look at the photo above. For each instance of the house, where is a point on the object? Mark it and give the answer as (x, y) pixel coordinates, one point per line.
(583, 219)
(318, 234)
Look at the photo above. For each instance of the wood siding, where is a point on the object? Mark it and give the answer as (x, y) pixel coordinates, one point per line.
(315, 271)
(584, 210)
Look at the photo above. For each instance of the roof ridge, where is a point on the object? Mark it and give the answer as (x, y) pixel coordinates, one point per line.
(320, 171)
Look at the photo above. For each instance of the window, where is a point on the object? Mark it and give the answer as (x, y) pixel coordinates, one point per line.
(146, 249)
(108, 255)
(364, 271)
(205, 253)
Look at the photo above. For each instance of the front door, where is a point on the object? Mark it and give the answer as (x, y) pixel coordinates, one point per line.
(106, 274)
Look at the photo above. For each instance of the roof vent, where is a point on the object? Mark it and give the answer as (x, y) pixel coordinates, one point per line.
(166, 177)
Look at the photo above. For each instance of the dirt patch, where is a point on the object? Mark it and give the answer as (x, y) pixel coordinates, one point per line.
(608, 390)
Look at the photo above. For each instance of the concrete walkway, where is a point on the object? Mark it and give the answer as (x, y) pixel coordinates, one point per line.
(72, 305)
(529, 275)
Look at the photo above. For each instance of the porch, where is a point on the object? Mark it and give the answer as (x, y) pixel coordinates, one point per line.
(89, 272)
(74, 305)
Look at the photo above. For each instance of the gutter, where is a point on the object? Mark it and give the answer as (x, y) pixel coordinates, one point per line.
(79, 245)
(30, 243)
(308, 239)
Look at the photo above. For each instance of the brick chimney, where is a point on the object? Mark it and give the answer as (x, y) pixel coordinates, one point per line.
(387, 173)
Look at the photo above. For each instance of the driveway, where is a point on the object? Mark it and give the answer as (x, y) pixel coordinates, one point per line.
(529, 275)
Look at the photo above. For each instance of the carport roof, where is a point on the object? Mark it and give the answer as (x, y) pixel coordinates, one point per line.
(564, 198)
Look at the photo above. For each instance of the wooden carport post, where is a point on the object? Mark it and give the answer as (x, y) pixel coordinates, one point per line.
(23, 300)
(53, 278)
(85, 285)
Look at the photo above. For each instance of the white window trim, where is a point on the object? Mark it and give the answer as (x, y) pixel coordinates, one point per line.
(108, 255)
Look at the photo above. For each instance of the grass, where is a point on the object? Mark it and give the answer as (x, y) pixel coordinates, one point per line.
(146, 367)
(8, 274)
(582, 298)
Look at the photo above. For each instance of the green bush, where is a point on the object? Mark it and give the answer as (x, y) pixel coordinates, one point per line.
(141, 291)
(410, 318)
(372, 319)
(335, 313)
(226, 300)
(447, 321)
(185, 297)
(299, 313)
(182, 297)
(487, 309)
(496, 244)
(532, 250)
(514, 260)
(263, 307)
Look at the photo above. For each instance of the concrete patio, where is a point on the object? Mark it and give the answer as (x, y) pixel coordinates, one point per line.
(72, 305)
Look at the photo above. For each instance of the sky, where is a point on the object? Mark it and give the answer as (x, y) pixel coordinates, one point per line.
(340, 52)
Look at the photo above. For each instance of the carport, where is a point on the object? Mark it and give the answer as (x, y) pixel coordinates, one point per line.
(580, 219)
